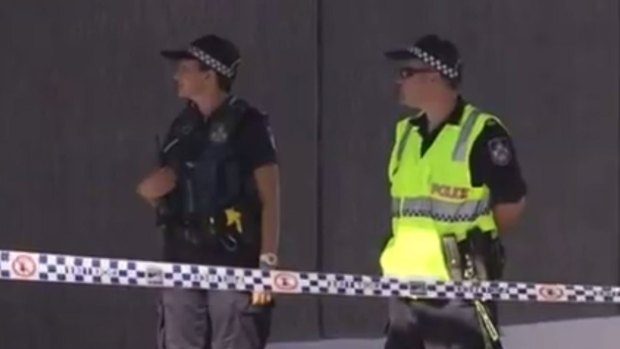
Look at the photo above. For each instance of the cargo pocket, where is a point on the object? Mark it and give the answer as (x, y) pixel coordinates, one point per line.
(256, 322)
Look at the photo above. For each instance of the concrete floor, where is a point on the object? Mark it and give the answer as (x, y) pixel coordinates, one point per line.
(596, 333)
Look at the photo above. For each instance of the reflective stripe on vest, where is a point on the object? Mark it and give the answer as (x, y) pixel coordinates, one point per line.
(401, 145)
(461, 145)
(441, 211)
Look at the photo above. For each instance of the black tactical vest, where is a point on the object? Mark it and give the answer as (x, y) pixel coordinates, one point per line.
(213, 204)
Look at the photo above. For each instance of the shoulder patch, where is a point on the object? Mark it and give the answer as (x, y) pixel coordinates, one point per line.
(499, 151)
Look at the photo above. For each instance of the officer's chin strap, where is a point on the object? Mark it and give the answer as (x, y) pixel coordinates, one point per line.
(474, 269)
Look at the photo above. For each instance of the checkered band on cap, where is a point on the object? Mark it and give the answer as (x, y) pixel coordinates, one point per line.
(212, 62)
(434, 62)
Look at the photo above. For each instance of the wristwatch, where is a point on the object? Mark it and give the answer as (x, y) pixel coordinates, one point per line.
(268, 260)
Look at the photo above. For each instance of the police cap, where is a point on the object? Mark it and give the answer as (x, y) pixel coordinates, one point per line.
(436, 52)
(215, 52)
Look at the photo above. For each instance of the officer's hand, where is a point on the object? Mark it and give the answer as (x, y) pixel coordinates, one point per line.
(267, 261)
(157, 184)
(261, 298)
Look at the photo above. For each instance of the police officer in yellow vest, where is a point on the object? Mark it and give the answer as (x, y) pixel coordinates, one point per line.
(456, 186)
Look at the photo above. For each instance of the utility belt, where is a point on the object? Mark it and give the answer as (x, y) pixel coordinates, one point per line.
(229, 229)
(478, 256)
(211, 213)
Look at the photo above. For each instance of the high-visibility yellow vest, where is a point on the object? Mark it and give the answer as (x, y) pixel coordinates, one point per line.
(433, 195)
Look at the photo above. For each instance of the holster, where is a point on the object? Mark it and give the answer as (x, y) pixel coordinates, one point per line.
(478, 257)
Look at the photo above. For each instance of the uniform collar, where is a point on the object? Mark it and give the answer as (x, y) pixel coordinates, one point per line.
(457, 113)
(223, 107)
(454, 118)
(220, 110)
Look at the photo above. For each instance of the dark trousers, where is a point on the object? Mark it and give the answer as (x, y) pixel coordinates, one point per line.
(197, 319)
(433, 325)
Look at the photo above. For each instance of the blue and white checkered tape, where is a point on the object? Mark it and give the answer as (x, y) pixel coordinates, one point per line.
(44, 267)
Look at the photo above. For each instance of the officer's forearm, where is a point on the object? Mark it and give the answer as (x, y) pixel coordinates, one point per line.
(507, 215)
(267, 179)
(270, 231)
(157, 184)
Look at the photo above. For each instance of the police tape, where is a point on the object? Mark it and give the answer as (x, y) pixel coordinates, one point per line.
(56, 268)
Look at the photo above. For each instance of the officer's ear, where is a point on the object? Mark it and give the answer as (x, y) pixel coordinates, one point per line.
(209, 74)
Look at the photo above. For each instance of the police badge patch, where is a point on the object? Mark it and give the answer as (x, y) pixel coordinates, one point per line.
(218, 134)
(500, 151)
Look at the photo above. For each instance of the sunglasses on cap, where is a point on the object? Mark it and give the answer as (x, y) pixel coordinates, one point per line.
(407, 72)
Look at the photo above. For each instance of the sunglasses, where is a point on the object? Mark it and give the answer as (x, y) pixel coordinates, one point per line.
(407, 72)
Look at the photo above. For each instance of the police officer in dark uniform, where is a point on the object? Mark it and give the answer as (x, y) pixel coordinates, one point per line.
(456, 187)
(217, 201)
